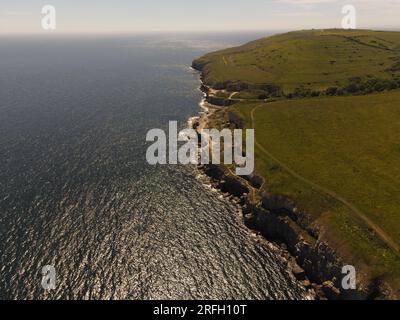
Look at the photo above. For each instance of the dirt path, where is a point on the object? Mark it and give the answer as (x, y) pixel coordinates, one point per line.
(232, 94)
(379, 231)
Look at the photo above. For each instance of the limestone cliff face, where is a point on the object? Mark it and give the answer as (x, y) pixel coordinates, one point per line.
(198, 65)
(226, 183)
(321, 264)
(218, 101)
(234, 86)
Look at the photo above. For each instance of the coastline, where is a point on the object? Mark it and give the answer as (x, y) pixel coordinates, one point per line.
(277, 219)
(238, 197)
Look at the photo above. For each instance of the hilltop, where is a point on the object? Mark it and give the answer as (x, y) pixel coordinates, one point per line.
(307, 61)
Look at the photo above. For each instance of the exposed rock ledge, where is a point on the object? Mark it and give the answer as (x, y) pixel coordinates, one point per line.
(276, 218)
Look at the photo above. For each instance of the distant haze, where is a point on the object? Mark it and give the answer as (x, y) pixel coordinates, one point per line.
(119, 16)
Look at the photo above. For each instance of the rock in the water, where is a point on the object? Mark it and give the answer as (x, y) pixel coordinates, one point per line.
(249, 220)
(330, 291)
(307, 284)
(298, 272)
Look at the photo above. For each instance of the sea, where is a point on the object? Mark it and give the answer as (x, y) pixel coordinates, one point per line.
(76, 191)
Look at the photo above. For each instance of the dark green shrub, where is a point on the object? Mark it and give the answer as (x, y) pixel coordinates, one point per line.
(331, 91)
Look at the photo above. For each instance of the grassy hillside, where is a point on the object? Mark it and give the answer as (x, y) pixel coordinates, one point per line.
(337, 154)
(315, 60)
(347, 145)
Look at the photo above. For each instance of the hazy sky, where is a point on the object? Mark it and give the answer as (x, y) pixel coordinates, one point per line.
(194, 15)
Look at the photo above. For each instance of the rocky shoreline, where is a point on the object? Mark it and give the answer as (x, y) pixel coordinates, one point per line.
(317, 266)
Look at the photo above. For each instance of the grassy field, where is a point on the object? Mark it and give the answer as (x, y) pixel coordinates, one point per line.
(349, 146)
(314, 60)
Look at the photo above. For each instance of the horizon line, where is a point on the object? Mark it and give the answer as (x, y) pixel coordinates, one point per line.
(198, 31)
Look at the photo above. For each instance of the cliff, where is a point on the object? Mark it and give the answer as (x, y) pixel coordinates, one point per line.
(314, 263)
